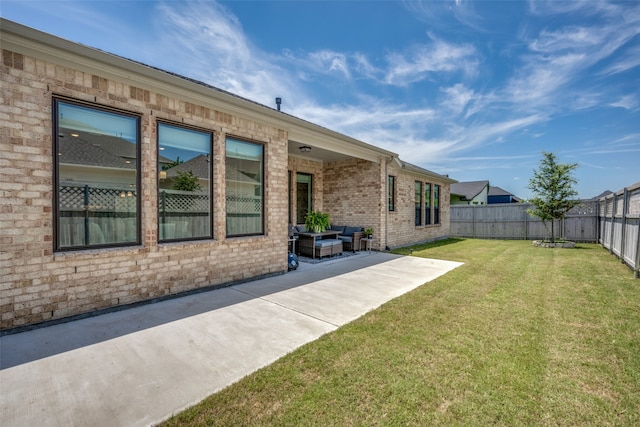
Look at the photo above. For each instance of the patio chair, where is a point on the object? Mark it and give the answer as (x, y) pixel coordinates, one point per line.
(350, 237)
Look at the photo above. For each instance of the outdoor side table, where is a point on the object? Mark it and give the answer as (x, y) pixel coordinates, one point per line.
(368, 243)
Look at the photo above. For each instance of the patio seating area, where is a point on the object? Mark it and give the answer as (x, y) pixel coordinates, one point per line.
(327, 243)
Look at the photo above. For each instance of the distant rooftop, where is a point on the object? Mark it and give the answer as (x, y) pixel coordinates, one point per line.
(469, 189)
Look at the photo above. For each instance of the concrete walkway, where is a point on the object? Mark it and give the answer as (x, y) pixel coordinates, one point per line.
(138, 366)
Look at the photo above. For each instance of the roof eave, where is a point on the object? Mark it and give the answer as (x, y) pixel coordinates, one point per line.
(23, 39)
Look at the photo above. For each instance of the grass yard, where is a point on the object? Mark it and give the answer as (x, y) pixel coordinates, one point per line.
(517, 336)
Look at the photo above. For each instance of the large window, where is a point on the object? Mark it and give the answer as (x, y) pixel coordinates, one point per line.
(436, 204)
(184, 184)
(418, 203)
(304, 196)
(245, 190)
(97, 176)
(391, 192)
(427, 204)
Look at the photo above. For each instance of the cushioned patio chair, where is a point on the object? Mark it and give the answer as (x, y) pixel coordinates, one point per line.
(350, 236)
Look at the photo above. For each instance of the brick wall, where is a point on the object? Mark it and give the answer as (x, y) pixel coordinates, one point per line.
(37, 284)
(402, 228)
(354, 191)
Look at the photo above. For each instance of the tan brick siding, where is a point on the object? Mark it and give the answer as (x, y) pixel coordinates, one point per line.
(402, 228)
(37, 284)
(354, 192)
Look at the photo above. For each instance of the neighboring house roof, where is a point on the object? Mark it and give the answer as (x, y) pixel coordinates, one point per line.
(110, 143)
(199, 166)
(469, 189)
(91, 149)
(494, 190)
(234, 175)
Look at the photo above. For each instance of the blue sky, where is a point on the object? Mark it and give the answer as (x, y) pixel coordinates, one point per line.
(473, 89)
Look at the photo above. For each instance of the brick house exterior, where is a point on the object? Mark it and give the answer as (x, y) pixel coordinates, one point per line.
(41, 281)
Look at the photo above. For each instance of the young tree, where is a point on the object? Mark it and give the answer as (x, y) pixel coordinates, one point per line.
(186, 181)
(552, 186)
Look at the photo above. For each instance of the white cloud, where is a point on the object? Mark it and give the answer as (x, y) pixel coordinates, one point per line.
(326, 61)
(457, 98)
(204, 40)
(419, 61)
(561, 58)
(630, 139)
(628, 102)
(568, 38)
(627, 62)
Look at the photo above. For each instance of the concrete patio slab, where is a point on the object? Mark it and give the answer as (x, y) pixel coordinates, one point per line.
(138, 366)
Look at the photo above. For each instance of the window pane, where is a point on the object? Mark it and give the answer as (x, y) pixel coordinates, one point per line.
(97, 198)
(304, 196)
(244, 187)
(391, 187)
(427, 204)
(436, 204)
(418, 202)
(184, 198)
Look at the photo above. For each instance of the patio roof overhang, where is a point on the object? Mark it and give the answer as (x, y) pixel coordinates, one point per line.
(328, 145)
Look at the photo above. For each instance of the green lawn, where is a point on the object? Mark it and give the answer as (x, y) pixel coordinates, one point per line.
(517, 336)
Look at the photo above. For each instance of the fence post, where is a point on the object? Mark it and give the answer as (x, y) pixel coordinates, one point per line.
(625, 196)
(473, 220)
(526, 224)
(598, 221)
(163, 205)
(613, 217)
(636, 267)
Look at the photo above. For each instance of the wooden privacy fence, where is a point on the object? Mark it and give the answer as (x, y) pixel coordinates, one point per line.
(613, 221)
(512, 222)
(619, 225)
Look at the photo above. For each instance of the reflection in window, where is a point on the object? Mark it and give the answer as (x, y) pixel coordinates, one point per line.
(184, 197)
(304, 196)
(244, 189)
(436, 204)
(97, 172)
(427, 204)
(391, 188)
(418, 203)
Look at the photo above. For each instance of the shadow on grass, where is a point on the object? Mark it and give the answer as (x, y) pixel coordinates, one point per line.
(588, 246)
(416, 248)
